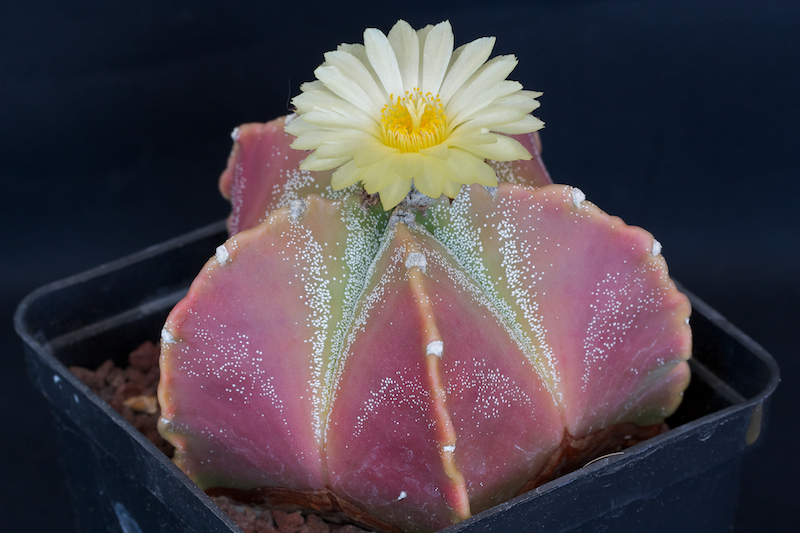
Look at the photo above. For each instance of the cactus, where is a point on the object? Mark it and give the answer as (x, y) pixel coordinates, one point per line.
(418, 365)
(422, 366)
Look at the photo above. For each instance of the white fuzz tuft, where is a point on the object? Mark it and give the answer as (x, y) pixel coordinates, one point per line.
(577, 196)
(402, 215)
(297, 208)
(222, 254)
(656, 248)
(167, 337)
(435, 348)
(416, 259)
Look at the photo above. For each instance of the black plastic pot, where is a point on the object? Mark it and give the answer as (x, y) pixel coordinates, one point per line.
(684, 480)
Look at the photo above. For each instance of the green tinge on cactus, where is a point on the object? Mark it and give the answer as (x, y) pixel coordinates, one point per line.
(422, 365)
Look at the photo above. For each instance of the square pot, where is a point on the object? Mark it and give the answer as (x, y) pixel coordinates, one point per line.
(686, 479)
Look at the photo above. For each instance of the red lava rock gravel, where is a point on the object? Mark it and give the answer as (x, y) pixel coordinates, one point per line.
(131, 391)
(256, 519)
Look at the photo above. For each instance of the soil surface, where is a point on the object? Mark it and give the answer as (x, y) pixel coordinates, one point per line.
(258, 519)
(131, 391)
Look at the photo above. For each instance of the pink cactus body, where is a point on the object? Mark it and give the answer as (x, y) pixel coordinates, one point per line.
(424, 365)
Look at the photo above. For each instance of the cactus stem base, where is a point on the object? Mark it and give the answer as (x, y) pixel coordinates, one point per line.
(572, 454)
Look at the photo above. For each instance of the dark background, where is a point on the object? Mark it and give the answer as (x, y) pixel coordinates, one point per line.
(681, 117)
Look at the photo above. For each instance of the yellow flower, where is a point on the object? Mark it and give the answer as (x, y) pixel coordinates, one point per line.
(406, 107)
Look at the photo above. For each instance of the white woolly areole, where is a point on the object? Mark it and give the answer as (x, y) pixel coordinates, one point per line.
(235, 134)
(402, 496)
(656, 248)
(297, 208)
(416, 200)
(402, 215)
(577, 196)
(416, 259)
(449, 448)
(435, 348)
(167, 337)
(222, 254)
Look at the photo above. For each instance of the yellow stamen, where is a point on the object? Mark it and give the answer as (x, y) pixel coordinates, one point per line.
(414, 121)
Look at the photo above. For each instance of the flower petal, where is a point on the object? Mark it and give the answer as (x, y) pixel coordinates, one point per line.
(405, 44)
(482, 100)
(485, 175)
(531, 94)
(345, 175)
(381, 57)
(409, 165)
(298, 126)
(371, 153)
(438, 151)
(308, 100)
(496, 115)
(356, 71)
(505, 149)
(313, 139)
(312, 162)
(470, 58)
(473, 92)
(526, 125)
(360, 52)
(422, 35)
(346, 88)
(433, 178)
(325, 109)
(337, 119)
(340, 144)
(315, 85)
(466, 135)
(466, 168)
(379, 175)
(436, 57)
(451, 189)
(519, 101)
(430, 185)
(394, 193)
